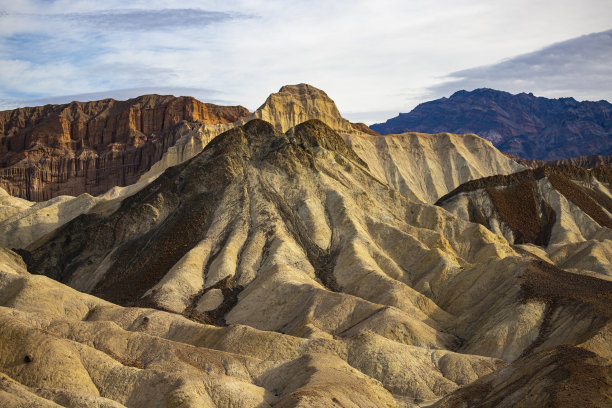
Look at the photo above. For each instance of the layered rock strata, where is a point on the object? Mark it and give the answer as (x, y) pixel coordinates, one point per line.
(91, 147)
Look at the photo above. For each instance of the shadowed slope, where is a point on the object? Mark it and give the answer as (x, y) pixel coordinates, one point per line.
(564, 376)
(586, 162)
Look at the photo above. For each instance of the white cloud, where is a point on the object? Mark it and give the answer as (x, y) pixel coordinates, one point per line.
(368, 56)
(580, 68)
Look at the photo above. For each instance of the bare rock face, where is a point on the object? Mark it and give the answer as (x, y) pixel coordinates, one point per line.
(91, 147)
(294, 104)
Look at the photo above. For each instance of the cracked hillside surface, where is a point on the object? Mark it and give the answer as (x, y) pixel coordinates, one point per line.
(274, 269)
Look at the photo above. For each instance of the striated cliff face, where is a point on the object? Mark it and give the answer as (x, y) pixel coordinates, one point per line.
(523, 125)
(90, 147)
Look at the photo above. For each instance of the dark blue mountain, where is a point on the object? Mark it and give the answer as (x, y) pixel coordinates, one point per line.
(523, 125)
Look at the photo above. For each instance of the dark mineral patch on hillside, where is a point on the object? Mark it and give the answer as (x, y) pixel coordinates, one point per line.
(521, 206)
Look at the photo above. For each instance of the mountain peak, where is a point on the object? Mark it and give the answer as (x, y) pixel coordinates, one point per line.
(488, 92)
(303, 89)
(294, 104)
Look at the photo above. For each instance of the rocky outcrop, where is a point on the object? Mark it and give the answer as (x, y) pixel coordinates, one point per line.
(294, 104)
(91, 147)
(522, 125)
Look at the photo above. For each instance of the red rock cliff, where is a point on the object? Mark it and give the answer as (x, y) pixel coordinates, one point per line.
(51, 150)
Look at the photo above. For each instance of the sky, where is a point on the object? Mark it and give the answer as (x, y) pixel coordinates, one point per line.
(374, 58)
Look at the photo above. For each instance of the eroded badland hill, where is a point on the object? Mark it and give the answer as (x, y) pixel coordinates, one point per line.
(289, 258)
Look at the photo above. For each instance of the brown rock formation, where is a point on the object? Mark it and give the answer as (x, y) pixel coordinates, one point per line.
(90, 147)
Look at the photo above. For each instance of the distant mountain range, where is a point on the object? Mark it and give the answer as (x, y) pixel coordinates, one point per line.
(523, 125)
